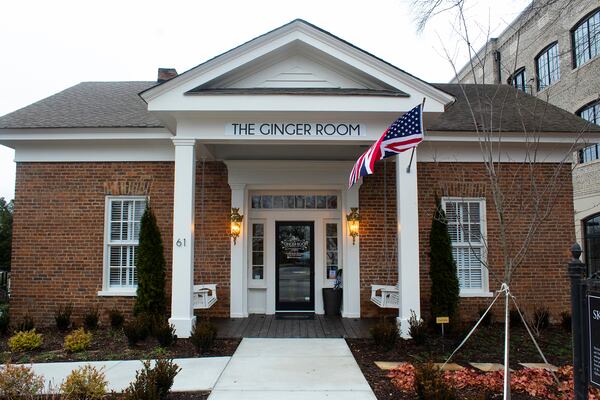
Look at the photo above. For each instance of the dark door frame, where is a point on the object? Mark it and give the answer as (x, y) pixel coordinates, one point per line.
(282, 306)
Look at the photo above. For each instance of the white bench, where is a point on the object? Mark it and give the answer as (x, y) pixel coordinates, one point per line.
(386, 296)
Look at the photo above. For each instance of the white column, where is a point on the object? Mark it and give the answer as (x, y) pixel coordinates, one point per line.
(351, 265)
(239, 274)
(182, 314)
(408, 239)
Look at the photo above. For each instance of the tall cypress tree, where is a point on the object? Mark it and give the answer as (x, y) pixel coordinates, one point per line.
(442, 268)
(151, 269)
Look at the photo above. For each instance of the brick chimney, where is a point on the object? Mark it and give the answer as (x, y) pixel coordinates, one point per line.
(164, 74)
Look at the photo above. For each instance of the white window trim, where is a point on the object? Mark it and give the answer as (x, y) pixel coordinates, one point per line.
(106, 289)
(257, 283)
(339, 248)
(484, 291)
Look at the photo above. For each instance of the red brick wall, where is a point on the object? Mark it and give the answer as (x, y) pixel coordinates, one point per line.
(59, 232)
(541, 279)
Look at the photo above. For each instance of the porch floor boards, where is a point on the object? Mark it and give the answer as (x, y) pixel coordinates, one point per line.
(268, 326)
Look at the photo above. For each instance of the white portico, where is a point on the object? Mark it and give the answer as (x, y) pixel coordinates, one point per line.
(288, 113)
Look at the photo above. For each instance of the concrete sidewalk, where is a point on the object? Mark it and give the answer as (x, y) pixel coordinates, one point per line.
(292, 369)
(197, 374)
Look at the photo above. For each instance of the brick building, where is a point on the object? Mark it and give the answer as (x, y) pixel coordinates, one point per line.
(271, 129)
(551, 51)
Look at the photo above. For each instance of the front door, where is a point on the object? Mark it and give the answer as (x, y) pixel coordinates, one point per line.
(294, 266)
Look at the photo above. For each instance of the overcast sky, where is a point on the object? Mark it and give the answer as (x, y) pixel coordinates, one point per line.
(47, 46)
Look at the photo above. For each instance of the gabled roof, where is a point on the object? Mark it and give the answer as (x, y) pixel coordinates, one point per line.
(87, 105)
(117, 105)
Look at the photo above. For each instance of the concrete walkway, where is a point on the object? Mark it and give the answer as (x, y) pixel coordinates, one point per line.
(292, 369)
(197, 374)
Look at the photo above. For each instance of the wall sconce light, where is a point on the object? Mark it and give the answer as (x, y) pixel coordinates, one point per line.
(236, 224)
(353, 223)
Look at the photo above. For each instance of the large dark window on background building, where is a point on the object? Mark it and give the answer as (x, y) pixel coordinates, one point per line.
(518, 79)
(591, 233)
(548, 66)
(591, 113)
(586, 39)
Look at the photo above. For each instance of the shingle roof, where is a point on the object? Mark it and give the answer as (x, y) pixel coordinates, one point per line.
(117, 104)
(502, 108)
(87, 105)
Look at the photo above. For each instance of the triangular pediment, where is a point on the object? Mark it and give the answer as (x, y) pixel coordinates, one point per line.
(297, 58)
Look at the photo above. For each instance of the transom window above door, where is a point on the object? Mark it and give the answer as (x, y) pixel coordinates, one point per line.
(295, 201)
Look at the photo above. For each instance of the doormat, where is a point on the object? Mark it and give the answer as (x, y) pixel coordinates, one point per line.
(307, 315)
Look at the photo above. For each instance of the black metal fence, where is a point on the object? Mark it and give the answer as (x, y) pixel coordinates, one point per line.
(585, 325)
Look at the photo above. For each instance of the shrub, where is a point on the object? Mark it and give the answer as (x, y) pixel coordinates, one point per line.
(19, 382)
(203, 335)
(417, 328)
(385, 333)
(62, 317)
(442, 270)
(152, 383)
(84, 383)
(151, 269)
(565, 320)
(26, 324)
(541, 317)
(4, 318)
(164, 333)
(136, 330)
(515, 318)
(116, 318)
(90, 319)
(78, 340)
(489, 317)
(430, 384)
(25, 341)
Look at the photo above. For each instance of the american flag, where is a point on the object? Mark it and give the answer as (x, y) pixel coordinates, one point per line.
(404, 134)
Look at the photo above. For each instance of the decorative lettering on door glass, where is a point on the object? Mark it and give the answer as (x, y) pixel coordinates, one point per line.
(323, 202)
(294, 247)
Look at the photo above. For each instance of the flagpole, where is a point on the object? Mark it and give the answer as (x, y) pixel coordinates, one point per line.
(414, 148)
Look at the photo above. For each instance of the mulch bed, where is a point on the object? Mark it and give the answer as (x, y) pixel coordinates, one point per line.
(485, 346)
(108, 344)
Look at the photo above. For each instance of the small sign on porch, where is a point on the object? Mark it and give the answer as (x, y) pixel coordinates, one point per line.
(594, 338)
(442, 321)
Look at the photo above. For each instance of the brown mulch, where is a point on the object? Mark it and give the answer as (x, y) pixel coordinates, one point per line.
(485, 346)
(108, 344)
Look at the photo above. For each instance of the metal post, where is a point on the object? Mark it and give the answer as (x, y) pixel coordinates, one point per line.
(576, 273)
(506, 383)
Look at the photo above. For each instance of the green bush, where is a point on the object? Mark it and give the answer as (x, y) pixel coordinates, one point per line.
(514, 318)
(430, 385)
(565, 320)
(26, 324)
(137, 330)
(90, 319)
(19, 382)
(164, 333)
(152, 383)
(78, 340)
(4, 318)
(151, 269)
(385, 333)
(116, 318)
(203, 335)
(62, 317)
(84, 383)
(417, 328)
(442, 269)
(25, 341)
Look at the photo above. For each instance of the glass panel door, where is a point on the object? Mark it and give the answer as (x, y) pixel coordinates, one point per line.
(294, 266)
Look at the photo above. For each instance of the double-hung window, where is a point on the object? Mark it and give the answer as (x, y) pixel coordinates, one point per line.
(586, 39)
(548, 66)
(591, 113)
(466, 226)
(519, 79)
(123, 218)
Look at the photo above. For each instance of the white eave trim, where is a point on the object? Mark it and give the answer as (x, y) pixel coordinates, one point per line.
(35, 134)
(278, 38)
(562, 138)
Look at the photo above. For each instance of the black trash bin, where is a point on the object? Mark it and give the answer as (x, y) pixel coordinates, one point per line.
(332, 301)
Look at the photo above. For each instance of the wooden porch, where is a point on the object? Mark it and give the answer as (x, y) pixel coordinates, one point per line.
(270, 326)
